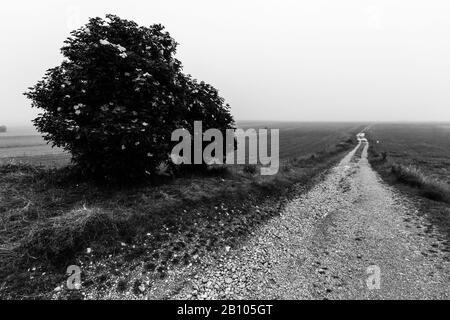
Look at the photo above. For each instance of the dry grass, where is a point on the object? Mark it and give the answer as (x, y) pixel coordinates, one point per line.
(429, 187)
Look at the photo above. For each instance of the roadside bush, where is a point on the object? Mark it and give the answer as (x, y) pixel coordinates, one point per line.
(118, 95)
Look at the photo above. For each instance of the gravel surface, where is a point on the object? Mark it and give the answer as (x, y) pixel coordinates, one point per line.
(325, 244)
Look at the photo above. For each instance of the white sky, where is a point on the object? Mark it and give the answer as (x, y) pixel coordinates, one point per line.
(345, 60)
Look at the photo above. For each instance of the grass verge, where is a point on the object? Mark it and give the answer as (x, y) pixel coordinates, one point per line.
(410, 175)
(429, 187)
(431, 196)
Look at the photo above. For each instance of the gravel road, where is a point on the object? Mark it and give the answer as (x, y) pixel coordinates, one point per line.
(350, 237)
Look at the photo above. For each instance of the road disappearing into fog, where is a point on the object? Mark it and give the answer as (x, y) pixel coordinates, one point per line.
(350, 237)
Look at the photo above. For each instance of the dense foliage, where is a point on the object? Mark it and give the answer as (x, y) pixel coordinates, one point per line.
(118, 95)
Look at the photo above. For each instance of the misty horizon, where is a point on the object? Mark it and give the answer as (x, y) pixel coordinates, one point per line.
(356, 61)
(24, 129)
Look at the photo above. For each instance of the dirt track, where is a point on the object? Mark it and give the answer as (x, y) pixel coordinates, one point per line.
(330, 242)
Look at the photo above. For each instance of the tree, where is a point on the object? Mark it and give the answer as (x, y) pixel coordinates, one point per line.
(117, 96)
(3, 129)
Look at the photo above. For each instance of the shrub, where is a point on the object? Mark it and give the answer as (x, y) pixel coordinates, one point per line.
(118, 95)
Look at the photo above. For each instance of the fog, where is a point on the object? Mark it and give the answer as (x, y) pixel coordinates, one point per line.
(348, 60)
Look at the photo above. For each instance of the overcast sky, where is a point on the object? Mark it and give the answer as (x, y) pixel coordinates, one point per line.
(346, 60)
